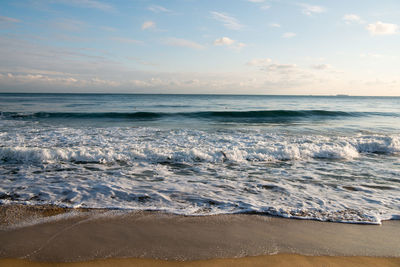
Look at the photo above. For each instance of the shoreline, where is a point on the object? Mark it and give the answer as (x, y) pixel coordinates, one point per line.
(269, 260)
(53, 234)
(21, 213)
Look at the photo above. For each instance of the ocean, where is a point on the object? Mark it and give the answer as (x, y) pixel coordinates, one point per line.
(328, 158)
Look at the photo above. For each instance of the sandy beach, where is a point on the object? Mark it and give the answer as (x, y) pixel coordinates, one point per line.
(274, 260)
(199, 133)
(44, 236)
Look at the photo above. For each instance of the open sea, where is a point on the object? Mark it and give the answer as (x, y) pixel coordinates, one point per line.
(333, 158)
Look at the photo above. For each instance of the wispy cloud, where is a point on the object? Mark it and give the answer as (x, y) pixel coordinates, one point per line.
(288, 35)
(228, 21)
(352, 18)
(108, 28)
(148, 25)
(266, 65)
(321, 66)
(74, 72)
(281, 67)
(87, 4)
(311, 9)
(8, 20)
(380, 28)
(371, 56)
(259, 62)
(172, 41)
(158, 9)
(28, 78)
(263, 6)
(126, 40)
(141, 61)
(70, 25)
(274, 25)
(20, 54)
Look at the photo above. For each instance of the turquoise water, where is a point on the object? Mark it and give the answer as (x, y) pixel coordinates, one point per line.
(314, 157)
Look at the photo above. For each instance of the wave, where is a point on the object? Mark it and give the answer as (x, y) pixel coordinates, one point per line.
(302, 149)
(226, 116)
(193, 172)
(82, 115)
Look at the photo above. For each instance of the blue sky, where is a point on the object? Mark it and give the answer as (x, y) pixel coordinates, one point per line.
(201, 46)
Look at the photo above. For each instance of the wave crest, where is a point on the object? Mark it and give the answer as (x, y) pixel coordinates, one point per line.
(226, 116)
(320, 148)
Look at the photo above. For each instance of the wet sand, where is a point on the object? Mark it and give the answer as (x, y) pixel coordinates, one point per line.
(47, 234)
(273, 260)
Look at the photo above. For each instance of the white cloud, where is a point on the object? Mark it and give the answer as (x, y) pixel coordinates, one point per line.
(158, 9)
(380, 28)
(228, 21)
(100, 82)
(274, 25)
(264, 64)
(77, 70)
(8, 20)
(321, 66)
(27, 78)
(352, 18)
(281, 67)
(20, 56)
(183, 42)
(310, 9)
(259, 62)
(224, 41)
(288, 35)
(38, 71)
(148, 25)
(265, 7)
(284, 75)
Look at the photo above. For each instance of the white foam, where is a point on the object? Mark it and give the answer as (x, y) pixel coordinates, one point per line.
(203, 172)
(182, 150)
(47, 155)
(378, 144)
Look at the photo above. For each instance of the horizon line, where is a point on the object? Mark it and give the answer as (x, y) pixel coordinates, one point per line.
(216, 94)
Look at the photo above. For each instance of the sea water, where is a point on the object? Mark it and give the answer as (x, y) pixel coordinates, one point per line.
(329, 158)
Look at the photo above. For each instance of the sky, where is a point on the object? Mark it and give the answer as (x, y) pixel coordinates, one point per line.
(201, 46)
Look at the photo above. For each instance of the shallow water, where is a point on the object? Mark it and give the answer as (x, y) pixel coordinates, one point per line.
(324, 158)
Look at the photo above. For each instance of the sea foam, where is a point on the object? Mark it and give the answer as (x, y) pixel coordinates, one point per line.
(200, 172)
(182, 146)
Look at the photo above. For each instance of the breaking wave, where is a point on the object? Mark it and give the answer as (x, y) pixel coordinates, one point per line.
(228, 116)
(184, 149)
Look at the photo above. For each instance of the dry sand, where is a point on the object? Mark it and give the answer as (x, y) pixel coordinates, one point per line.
(148, 239)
